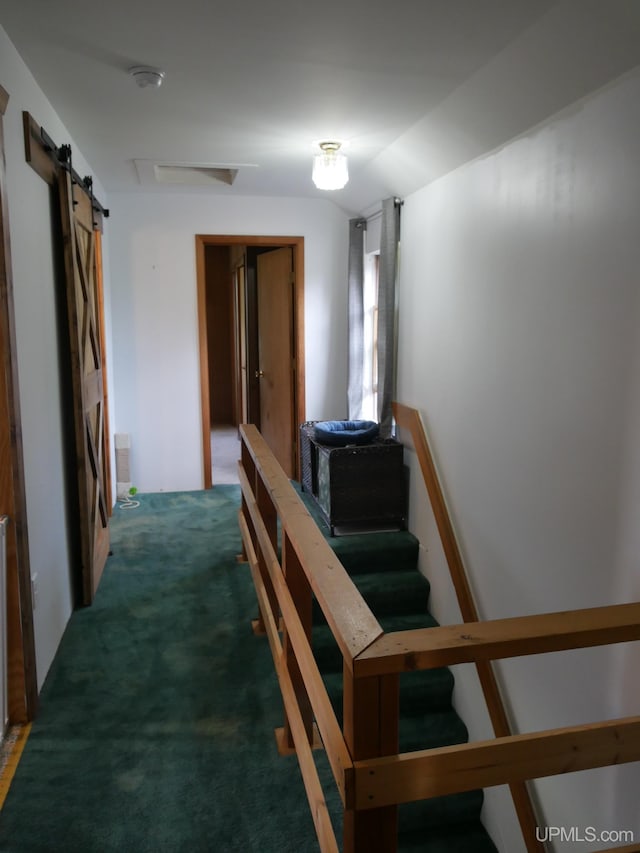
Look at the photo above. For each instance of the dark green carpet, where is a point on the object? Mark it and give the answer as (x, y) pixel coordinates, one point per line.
(155, 731)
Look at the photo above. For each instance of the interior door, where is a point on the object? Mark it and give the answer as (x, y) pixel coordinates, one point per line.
(276, 354)
(84, 312)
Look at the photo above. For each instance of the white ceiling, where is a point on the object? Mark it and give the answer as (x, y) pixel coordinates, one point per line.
(413, 87)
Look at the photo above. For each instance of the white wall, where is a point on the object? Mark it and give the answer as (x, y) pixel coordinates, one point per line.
(520, 344)
(38, 362)
(155, 331)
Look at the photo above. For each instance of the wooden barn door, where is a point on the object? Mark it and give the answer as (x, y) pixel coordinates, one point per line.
(85, 339)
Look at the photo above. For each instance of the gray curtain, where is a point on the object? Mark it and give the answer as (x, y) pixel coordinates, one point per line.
(387, 345)
(357, 228)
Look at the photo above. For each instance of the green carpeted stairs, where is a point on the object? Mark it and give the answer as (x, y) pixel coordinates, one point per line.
(383, 566)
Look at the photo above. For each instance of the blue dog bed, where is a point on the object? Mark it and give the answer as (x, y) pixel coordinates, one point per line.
(343, 433)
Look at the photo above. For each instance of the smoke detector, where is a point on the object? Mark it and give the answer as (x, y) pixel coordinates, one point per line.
(147, 76)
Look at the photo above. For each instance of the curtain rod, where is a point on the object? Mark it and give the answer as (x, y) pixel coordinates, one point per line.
(398, 202)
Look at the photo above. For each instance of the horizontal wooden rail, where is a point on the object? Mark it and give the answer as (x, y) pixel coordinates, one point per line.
(409, 419)
(433, 773)
(427, 648)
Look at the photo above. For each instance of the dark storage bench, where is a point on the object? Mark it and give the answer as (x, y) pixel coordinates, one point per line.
(355, 487)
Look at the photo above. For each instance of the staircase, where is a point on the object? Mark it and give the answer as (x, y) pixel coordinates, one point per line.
(383, 567)
(291, 562)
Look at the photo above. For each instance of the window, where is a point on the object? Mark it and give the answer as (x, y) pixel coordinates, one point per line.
(370, 340)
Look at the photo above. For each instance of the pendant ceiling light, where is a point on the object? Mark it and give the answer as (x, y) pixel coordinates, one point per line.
(330, 167)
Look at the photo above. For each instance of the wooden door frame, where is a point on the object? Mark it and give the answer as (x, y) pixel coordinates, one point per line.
(22, 683)
(297, 246)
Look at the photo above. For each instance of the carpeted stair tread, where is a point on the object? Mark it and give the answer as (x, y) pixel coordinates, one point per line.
(407, 621)
(421, 691)
(425, 689)
(469, 837)
(395, 550)
(440, 811)
(433, 729)
(389, 593)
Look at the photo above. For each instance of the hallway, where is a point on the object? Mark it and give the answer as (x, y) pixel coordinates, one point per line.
(225, 452)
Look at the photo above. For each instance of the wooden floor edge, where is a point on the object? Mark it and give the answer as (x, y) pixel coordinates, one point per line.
(10, 765)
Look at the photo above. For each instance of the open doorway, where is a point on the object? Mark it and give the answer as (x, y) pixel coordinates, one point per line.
(221, 323)
(251, 333)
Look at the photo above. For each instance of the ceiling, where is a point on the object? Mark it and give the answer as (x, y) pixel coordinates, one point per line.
(414, 88)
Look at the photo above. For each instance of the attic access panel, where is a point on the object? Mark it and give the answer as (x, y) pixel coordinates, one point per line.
(155, 172)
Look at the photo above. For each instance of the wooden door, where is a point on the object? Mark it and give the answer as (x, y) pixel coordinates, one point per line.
(85, 343)
(276, 355)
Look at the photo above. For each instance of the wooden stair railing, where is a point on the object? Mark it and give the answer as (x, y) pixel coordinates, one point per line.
(409, 419)
(371, 777)
(308, 566)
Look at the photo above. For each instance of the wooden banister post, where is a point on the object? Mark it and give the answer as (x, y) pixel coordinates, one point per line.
(300, 591)
(371, 711)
